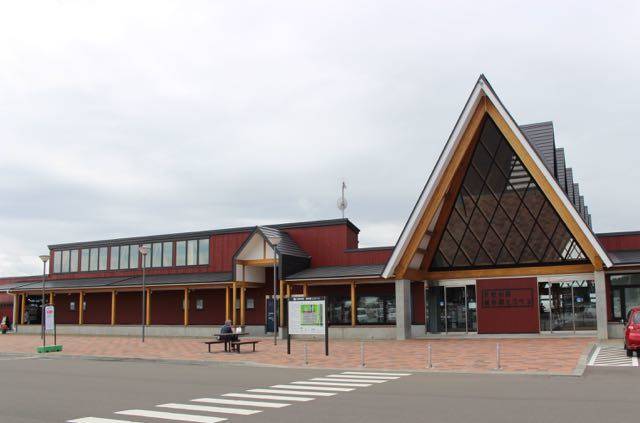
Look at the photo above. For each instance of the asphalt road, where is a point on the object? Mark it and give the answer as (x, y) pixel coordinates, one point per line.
(61, 389)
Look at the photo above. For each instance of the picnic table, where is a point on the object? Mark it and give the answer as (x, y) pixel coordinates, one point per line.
(226, 339)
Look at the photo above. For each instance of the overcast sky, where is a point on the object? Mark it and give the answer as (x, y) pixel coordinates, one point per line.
(135, 118)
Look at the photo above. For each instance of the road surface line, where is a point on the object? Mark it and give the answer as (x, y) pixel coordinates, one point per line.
(98, 420)
(376, 374)
(209, 409)
(313, 388)
(634, 361)
(288, 392)
(172, 416)
(269, 397)
(368, 377)
(326, 379)
(354, 385)
(242, 402)
(594, 356)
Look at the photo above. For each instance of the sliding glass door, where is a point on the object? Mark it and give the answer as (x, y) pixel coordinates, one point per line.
(567, 306)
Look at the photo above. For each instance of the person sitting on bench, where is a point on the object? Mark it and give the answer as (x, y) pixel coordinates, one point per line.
(227, 330)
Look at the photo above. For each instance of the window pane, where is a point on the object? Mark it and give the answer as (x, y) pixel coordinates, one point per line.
(102, 261)
(192, 247)
(93, 260)
(115, 261)
(157, 254)
(167, 254)
(181, 253)
(339, 311)
(376, 310)
(631, 298)
(133, 256)
(74, 261)
(65, 261)
(203, 251)
(147, 258)
(84, 260)
(56, 262)
(124, 257)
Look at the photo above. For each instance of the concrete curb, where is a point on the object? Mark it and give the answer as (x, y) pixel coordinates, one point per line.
(578, 372)
(581, 367)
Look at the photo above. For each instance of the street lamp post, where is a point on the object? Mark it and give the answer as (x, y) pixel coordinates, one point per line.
(45, 259)
(275, 241)
(143, 251)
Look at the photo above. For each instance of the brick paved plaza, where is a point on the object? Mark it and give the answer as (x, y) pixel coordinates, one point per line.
(536, 355)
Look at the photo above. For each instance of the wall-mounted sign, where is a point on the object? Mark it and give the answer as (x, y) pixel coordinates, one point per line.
(507, 297)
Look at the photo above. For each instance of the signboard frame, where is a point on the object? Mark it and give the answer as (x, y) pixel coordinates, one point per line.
(325, 315)
(49, 322)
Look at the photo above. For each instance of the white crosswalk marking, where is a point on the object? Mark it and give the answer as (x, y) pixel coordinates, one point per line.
(376, 374)
(288, 392)
(612, 357)
(335, 379)
(263, 404)
(313, 388)
(172, 416)
(269, 397)
(209, 409)
(98, 420)
(355, 385)
(367, 377)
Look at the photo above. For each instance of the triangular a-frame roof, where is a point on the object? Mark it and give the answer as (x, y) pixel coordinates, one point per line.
(407, 258)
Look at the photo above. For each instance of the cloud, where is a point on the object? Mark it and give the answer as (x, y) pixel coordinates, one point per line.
(122, 119)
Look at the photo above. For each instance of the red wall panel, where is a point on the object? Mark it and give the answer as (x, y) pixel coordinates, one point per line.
(325, 244)
(167, 308)
(620, 242)
(128, 308)
(223, 247)
(213, 312)
(256, 316)
(508, 305)
(417, 303)
(98, 311)
(64, 315)
(373, 256)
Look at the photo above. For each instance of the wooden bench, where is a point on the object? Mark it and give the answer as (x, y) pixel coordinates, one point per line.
(218, 341)
(236, 345)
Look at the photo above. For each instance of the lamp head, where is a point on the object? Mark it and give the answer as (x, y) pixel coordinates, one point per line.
(144, 250)
(45, 258)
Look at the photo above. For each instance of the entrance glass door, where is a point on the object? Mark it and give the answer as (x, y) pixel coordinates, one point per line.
(567, 306)
(456, 309)
(451, 309)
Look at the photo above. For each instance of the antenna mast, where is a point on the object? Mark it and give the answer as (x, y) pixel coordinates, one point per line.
(342, 201)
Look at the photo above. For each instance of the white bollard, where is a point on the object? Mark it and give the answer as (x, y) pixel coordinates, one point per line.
(361, 354)
(498, 356)
(306, 355)
(429, 363)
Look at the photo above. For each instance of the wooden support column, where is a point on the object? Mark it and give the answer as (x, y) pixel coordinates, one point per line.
(81, 309)
(23, 305)
(305, 289)
(113, 307)
(148, 316)
(354, 305)
(233, 303)
(281, 319)
(227, 314)
(186, 306)
(51, 298)
(288, 291)
(16, 310)
(242, 305)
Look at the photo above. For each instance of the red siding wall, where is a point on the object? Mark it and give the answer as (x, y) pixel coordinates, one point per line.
(128, 308)
(213, 312)
(256, 316)
(223, 247)
(325, 244)
(167, 308)
(620, 242)
(63, 314)
(98, 310)
(417, 303)
(508, 319)
(373, 256)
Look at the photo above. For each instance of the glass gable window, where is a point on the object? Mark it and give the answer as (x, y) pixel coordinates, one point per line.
(192, 252)
(133, 256)
(181, 253)
(203, 251)
(147, 258)
(156, 254)
(167, 254)
(65, 261)
(625, 294)
(102, 259)
(73, 265)
(56, 261)
(84, 260)
(115, 258)
(500, 216)
(124, 257)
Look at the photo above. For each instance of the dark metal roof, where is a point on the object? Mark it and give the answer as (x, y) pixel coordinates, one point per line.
(177, 279)
(540, 136)
(287, 244)
(570, 184)
(622, 258)
(576, 196)
(72, 283)
(199, 234)
(621, 233)
(335, 272)
(358, 250)
(561, 171)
